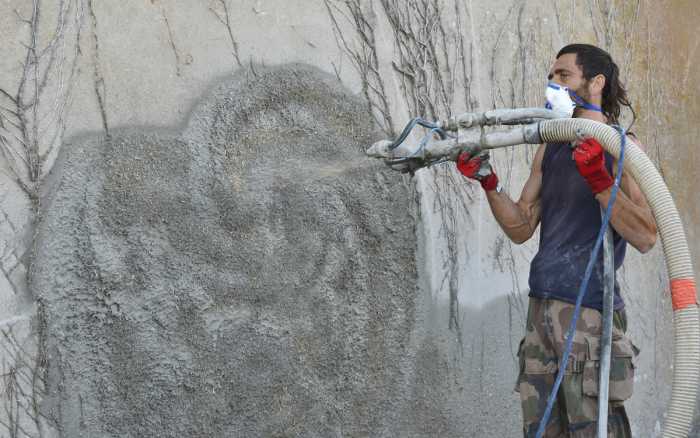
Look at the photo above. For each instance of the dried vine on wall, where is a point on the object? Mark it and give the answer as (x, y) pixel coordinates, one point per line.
(221, 12)
(23, 377)
(33, 110)
(434, 62)
(363, 54)
(32, 115)
(433, 69)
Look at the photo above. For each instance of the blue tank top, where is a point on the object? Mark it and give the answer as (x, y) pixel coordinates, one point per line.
(570, 221)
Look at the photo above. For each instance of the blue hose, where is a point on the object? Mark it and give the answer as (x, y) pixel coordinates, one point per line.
(582, 290)
(412, 124)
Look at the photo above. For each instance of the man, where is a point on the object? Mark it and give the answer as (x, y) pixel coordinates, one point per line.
(564, 192)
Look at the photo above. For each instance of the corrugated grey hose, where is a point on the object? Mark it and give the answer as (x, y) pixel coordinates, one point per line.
(686, 320)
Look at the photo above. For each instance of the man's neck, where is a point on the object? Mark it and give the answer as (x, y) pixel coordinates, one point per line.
(582, 113)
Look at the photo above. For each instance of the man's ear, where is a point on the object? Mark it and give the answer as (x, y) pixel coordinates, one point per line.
(597, 84)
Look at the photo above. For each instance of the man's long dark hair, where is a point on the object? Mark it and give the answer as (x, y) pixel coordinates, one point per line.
(596, 61)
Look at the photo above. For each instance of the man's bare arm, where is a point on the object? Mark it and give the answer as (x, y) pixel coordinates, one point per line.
(519, 220)
(631, 216)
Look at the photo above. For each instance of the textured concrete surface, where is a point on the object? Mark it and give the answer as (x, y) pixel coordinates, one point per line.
(151, 74)
(253, 276)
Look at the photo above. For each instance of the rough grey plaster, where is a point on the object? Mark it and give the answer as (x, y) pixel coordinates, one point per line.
(254, 276)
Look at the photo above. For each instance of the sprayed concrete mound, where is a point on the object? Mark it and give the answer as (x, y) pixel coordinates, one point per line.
(252, 275)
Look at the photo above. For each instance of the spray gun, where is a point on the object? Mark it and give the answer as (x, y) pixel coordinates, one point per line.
(467, 132)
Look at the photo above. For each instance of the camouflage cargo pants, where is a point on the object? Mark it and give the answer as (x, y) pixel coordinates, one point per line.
(575, 412)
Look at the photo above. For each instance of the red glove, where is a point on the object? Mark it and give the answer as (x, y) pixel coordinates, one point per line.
(590, 162)
(478, 168)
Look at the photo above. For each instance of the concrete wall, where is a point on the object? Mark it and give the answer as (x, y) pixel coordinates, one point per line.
(143, 76)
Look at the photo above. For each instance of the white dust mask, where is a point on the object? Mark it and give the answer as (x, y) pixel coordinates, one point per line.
(559, 100)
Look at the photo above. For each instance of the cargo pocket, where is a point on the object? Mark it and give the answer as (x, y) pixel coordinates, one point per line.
(621, 369)
(534, 371)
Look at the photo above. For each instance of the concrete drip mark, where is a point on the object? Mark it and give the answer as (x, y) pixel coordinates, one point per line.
(557, 16)
(523, 52)
(628, 36)
(99, 83)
